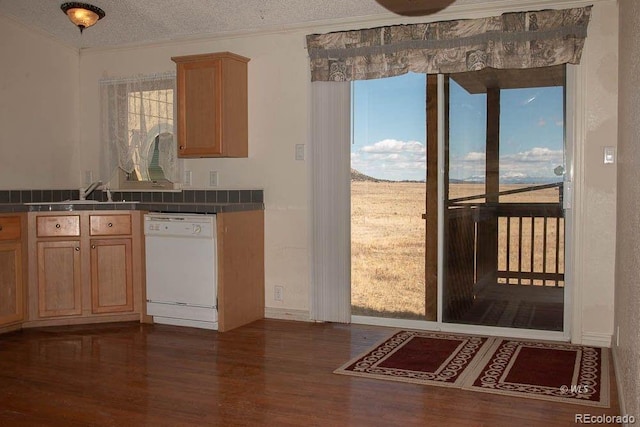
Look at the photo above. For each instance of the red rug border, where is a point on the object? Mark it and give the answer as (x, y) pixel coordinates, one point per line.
(604, 380)
(477, 363)
(458, 383)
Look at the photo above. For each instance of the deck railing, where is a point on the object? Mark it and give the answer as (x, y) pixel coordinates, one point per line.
(531, 244)
(516, 243)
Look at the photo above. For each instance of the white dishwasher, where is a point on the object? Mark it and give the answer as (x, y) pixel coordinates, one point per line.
(182, 269)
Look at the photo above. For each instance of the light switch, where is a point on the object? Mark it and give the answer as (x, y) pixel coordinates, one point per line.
(213, 178)
(299, 151)
(88, 177)
(187, 178)
(609, 155)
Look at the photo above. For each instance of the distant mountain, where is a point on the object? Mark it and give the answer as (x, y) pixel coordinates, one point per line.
(359, 176)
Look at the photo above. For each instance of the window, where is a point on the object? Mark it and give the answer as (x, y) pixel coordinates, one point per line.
(139, 128)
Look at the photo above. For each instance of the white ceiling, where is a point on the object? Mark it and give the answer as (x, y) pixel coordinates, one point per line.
(130, 22)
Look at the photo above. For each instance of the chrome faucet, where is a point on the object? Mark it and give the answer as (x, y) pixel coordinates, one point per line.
(84, 193)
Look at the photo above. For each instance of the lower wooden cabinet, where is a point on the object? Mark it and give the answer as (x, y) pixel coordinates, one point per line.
(11, 287)
(87, 267)
(59, 278)
(111, 276)
(12, 274)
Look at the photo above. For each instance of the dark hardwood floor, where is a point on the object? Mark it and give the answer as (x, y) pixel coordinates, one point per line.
(271, 372)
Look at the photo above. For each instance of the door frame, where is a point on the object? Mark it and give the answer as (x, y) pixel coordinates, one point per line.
(575, 86)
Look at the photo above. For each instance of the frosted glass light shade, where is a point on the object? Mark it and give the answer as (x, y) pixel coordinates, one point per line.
(83, 15)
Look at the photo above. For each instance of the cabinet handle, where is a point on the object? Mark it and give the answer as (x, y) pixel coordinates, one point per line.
(77, 249)
(57, 225)
(182, 147)
(93, 246)
(110, 225)
(0, 228)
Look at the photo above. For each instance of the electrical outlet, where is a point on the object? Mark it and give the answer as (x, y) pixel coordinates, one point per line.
(278, 293)
(213, 178)
(187, 178)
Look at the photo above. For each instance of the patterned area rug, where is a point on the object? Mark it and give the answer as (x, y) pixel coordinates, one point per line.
(557, 372)
(542, 370)
(419, 357)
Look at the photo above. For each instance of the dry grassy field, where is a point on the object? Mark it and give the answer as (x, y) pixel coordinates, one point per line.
(388, 241)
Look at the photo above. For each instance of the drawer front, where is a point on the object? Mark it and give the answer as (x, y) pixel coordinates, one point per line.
(55, 226)
(10, 228)
(107, 225)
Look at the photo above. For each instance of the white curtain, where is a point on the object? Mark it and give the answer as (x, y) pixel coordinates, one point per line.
(137, 112)
(331, 201)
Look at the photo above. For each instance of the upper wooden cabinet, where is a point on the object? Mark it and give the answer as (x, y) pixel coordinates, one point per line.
(212, 105)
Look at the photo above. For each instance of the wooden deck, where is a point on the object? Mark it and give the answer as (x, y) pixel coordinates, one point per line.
(271, 373)
(505, 262)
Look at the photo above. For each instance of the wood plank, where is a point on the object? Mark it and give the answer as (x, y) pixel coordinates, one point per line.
(11, 282)
(431, 236)
(268, 373)
(109, 225)
(111, 275)
(10, 227)
(479, 81)
(59, 279)
(240, 268)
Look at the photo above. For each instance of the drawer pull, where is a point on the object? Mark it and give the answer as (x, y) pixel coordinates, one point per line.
(57, 225)
(110, 225)
(77, 249)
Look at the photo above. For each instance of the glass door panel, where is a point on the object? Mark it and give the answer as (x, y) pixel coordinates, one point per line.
(503, 259)
(388, 161)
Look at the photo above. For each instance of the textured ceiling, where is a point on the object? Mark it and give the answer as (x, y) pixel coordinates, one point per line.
(130, 22)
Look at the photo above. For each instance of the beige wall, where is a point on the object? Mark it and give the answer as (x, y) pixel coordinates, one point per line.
(596, 227)
(627, 313)
(279, 118)
(38, 110)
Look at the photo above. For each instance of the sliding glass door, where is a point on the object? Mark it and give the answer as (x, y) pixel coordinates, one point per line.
(503, 220)
(457, 199)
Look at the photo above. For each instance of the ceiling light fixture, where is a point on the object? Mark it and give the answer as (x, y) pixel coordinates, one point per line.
(83, 15)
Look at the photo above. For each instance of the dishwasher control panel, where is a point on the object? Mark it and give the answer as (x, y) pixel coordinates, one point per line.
(203, 226)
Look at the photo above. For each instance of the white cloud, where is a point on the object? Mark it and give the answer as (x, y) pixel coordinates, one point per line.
(536, 163)
(391, 159)
(401, 160)
(394, 146)
(535, 155)
(475, 156)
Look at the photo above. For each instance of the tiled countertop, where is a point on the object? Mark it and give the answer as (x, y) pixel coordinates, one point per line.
(187, 201)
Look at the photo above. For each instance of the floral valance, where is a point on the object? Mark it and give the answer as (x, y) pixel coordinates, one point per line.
(510, 41)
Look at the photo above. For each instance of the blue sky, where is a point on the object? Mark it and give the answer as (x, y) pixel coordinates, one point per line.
(389, 132)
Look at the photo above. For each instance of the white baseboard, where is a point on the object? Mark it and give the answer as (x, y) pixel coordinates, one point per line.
(595, 339)
(287, 314)
(618, 374)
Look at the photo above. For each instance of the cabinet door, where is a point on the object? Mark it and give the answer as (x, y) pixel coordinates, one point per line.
(59, 278)
(212, 104)
(11, 290)
(199, 108)
(111, 276)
